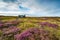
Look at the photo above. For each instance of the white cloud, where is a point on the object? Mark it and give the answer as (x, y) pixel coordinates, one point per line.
(2, 4)
(6, 7)
(35, 9)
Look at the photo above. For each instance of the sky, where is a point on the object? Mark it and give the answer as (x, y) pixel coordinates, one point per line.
(33, 8)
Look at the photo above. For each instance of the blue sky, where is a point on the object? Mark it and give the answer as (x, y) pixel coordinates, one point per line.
(33, 8)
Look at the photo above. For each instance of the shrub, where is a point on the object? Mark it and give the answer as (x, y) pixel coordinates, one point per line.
(35, 34)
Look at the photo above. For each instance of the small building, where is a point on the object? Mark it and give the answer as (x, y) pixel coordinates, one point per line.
(21, 16)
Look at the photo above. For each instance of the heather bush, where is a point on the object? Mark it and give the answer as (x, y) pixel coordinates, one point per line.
(8, 33)
(12, 23)
(44, 24)
(35, 34)
(10, 30)
(29, 30)
(1, 25)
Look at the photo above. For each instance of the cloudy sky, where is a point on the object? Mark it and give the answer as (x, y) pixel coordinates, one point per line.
(30, 7)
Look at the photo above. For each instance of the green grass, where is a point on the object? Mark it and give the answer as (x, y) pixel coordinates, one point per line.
(29, 22)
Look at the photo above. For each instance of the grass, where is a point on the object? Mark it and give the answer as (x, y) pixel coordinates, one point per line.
(29, 22)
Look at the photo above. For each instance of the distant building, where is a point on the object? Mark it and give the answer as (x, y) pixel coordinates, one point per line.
(21, 16)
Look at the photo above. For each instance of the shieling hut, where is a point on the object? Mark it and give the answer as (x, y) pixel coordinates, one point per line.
(21, 16)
